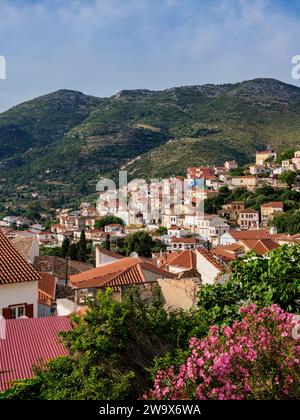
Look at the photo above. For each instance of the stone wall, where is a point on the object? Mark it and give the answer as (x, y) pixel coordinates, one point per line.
(181, 293)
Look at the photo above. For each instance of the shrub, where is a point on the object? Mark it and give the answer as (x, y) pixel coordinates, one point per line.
(256, 358)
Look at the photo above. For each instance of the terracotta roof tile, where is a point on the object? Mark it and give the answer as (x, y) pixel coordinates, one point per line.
(13, 266)
(126, 271)
(249, 234)
(273, 204)
(248, 211)
(184, 259)
(23, 244)
(210, 257)
(47, 284)
(264, 246)
(259, 246)
(183, 240)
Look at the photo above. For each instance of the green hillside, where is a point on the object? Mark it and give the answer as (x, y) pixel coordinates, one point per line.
(60, 144)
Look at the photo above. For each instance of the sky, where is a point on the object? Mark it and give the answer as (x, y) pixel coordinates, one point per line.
(100, 47)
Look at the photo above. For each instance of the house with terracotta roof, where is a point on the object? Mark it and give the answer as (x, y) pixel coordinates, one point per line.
(89, 212)
(209, 266)
(268, 210)
(59, 228)
(27, 246)
(248, 219)
(200, 172)
(230, 211)
(179, 244)
(263, 155)
(260, 246)
(202, 261)
(174, 232)
(118, 275)
(46, 294)
(45, 237)
(228, 253)
(236, 235)
(179, 262)
(18, 283)
(239, 249)
(27, 343)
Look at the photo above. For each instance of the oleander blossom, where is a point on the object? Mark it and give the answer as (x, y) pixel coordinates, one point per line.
(256, 358)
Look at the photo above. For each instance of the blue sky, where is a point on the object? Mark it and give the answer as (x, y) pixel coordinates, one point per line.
(102, 46)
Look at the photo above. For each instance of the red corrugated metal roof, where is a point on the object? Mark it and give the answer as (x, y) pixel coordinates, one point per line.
(27, 342)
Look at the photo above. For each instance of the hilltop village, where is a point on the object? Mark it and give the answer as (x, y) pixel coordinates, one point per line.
(179, 234)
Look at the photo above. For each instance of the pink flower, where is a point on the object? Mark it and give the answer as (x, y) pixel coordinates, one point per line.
(236, 362)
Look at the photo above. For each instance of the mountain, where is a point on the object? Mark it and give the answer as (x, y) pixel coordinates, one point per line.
(60, 144)
(42, 121)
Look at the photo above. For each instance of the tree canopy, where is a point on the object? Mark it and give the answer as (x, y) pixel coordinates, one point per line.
(111, 349)
(140, 242)
(108, 220)
(117, 348)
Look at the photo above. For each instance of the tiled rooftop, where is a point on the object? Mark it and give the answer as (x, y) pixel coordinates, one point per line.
(13, 266)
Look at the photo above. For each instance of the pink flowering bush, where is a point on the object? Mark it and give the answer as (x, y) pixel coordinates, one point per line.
(256, 358)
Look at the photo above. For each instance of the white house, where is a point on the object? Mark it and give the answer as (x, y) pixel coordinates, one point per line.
(103, 256)
(208, 266)
(180, 244)
(18, 283)
(114, 229)
(248, 219)
(208, 227)
(296, 160)
(178, 231)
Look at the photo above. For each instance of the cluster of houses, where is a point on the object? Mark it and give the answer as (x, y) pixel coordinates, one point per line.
(38, 292)
(265, 164)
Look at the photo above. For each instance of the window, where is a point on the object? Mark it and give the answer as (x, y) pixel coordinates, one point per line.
(17, 311)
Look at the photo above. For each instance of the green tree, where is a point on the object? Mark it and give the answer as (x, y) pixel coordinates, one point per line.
(162, 230)
(289, 178)
(107, 243)
(111, 350)
(237, 172)
(140, 242)
(65, 247)
(33, 211)
(264, 280)
(50, 251)
(81, 247)
(286, 155)
(288, 222)
(107, 220)
(73, 252)
(158, 246)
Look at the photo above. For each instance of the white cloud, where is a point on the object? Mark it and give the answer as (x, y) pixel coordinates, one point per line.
(102, 46)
